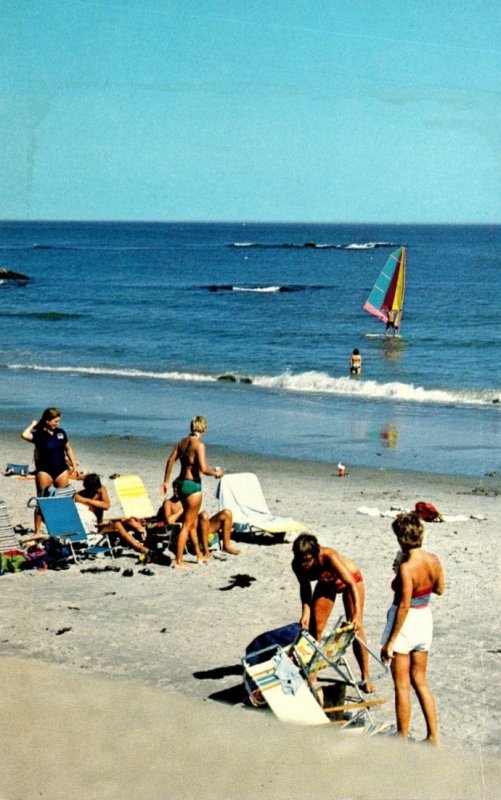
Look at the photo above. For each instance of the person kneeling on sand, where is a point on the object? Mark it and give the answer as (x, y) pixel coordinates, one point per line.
(96, 498)
(171, 512)
(408, 633)
(334, 574)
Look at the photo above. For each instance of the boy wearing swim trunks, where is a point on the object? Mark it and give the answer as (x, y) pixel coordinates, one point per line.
(409, 628)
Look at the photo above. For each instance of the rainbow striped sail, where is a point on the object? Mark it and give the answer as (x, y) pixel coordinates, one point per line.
(386, 301)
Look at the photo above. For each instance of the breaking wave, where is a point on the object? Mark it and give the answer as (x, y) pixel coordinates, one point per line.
(314, 245)
(305, 382)
(228, 287)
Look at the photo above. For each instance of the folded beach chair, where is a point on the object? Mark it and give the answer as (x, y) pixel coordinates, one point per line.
(8, 537)
(273, 679)
(63, 522)
(352, 708)
(242, 494)
(268, 680)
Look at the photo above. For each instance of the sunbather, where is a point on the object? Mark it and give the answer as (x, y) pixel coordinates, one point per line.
(334, 574)
(409, 628)
(96, 498)
(190, 451)
(221, 522)
(54, 457)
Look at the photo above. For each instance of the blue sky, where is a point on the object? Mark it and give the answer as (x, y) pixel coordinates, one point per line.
(272, 110)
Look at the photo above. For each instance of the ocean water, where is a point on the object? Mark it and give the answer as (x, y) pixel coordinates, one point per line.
(129, 328)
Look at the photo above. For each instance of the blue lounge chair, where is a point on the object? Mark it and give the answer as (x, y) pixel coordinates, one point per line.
(63, 522)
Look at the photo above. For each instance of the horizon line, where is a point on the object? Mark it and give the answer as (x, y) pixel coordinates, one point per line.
(243, 222)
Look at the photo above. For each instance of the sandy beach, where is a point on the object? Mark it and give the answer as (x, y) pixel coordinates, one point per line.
(131, 687)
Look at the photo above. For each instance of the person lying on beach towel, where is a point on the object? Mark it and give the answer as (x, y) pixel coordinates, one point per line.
(94, 496)
(334, 574)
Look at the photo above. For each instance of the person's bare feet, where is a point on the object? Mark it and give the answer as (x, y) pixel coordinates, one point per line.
(368, 687)
(181, 565)
(232, 550)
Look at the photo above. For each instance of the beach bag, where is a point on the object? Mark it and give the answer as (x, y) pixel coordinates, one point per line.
(17, 469)
(57, 554)
(279, 636)
(427, 512)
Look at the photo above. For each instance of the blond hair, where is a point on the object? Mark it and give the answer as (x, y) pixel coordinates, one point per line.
(198, 424)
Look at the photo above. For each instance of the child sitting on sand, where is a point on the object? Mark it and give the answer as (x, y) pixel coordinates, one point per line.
(334, 574)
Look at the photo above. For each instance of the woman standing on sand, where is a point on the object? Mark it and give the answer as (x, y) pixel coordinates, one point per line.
(188, 485)
(334, 574)
(54, 458)
(409, 629)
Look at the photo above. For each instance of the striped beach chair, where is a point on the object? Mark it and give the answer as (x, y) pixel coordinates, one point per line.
(8, 537)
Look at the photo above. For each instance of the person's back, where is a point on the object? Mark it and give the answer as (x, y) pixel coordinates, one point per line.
(189, 456)
(408, 633)
(356, 362)
(424, 570)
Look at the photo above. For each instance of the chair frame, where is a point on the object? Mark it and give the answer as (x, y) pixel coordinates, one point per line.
(311, 656)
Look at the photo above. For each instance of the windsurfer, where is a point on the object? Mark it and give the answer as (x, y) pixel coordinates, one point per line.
(393, 321)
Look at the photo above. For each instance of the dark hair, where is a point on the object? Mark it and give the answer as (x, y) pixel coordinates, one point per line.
(92, 482)
(408, 529)
(306, 545)
(356, 352)
(48, 414)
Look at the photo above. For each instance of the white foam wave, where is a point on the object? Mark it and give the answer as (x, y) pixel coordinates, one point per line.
(366, 246)
(309, 382)
(263, 289)
(321, 383)
(118, 373)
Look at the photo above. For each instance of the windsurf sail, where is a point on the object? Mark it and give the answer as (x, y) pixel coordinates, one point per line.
(386, 301)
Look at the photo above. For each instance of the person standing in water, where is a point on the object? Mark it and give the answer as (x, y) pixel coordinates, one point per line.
(356, 362)
(408, 633)
(190, 451)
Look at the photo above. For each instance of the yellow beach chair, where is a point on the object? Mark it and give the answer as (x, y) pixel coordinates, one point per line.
(133, 497)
